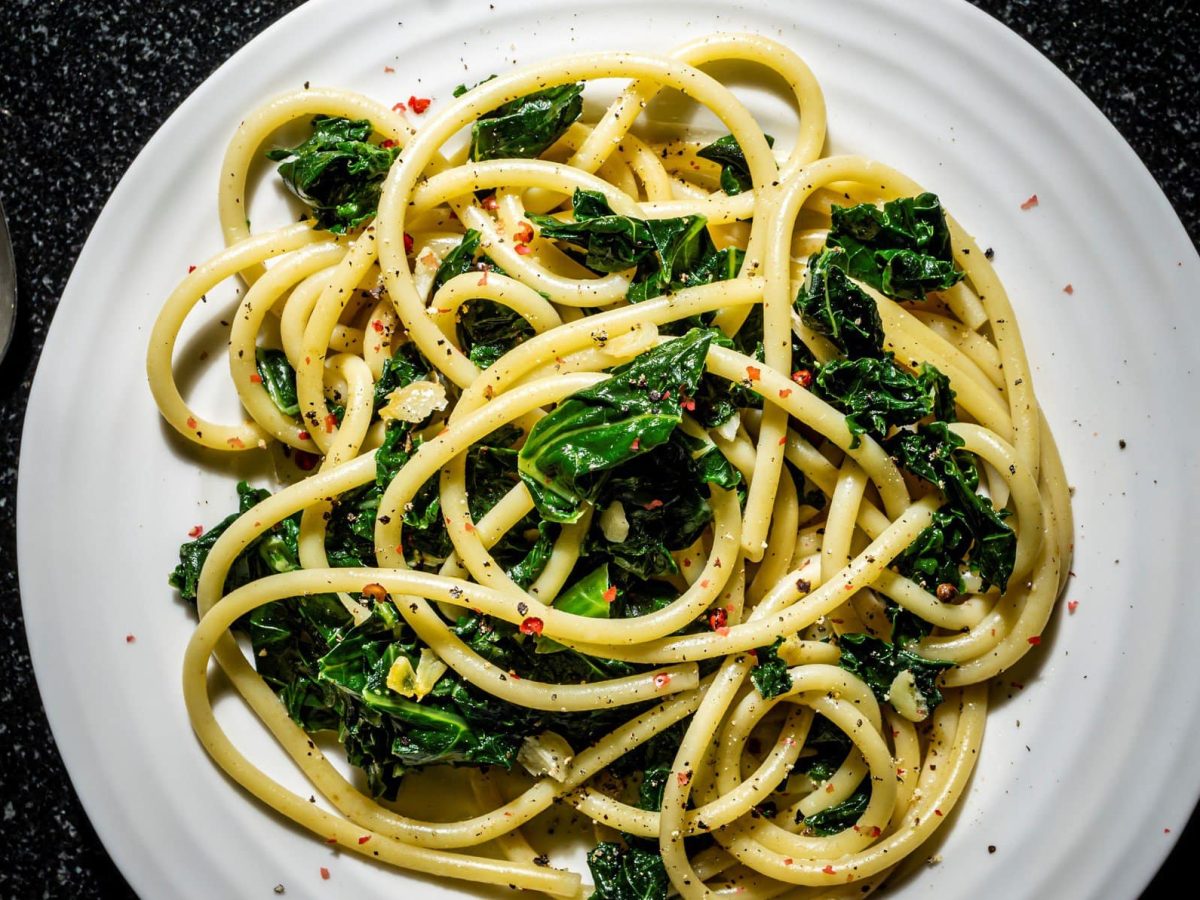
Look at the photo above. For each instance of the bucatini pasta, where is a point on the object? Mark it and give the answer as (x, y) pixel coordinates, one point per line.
(698, 482)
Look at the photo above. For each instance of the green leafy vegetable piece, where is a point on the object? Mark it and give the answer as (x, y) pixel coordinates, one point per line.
(459, 261)
(279, 378)
(337, 171)
(569, 453)
(487, 330)
(840, 816)
(735, 174)
(627, 873)
(404, 367)
(932, 453)
(934, 557)
(770, 673)
(875, 394)
(528, 126)
(901, 250)
(833, 305)
(878, 663)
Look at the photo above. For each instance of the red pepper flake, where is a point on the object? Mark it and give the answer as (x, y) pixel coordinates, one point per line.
(1031, 202)
(637, 442)
(532, 625)
(236, 443)
(191, 421)
(330, 423)
(787, 861)
(256, 378)
(408, 242)
(196, 531)
(784, 393)
(522, 250)
(803, 377)
(754, 372)
(324, 874)
(364, 838)
(387, 144)
(524, 233)
(483, 278)
(468, 527)
(937, 812)
(399, 107)
(683, 778)
(375, 591)
(688, 403)
(610, 593)
(782, 439)
(828, 870)
(129, 639)
(876, 831)
(418, 104)
(1072, 605)
(653, 504)
(306, 461)
(1069, 289)
(388, 70)
(661, 680)
(490, 203)
(723, 631)
(515, 677)
(718, 619)
(1166, 831)
(377, 325)
(331, 840)
(704, 583)
(1035, 640)
(191, 269)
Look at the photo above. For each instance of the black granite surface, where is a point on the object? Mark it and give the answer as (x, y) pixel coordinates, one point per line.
(84, 85)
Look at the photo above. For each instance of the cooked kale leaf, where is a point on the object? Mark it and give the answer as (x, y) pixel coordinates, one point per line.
(279, 378)
(528, 126)
(901, 250)
(770, 673)
(833, 305)
(735, 174)
(932, 453)
(934, 557)
(570, 453)
(840, 816)
(627, 873)
(876, 394)
(337, 171)
(878, 663)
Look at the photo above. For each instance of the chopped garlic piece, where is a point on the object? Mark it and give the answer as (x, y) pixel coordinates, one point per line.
(414, 402)
(614, 523)
(408, 683)
(546, 754)
(401, 678)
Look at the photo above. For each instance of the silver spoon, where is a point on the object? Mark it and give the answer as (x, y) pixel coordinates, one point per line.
(8, 287)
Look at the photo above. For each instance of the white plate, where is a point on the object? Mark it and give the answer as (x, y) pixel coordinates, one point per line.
(1083, 771)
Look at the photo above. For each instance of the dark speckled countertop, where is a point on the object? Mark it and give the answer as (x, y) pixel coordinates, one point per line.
(82, 88)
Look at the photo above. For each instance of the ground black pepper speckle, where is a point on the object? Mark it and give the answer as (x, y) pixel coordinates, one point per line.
(83, 87)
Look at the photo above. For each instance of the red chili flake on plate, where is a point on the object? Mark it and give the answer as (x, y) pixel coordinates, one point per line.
(532, 625)
(364, 838)
(1069, 289)
(196, 531)
(418, 104)
(718, 619)
(754, 372)
(306, 461)
(610, 593)
(399, 107)
(1035, 640)
(330, 423)
(522, 250)
(1072, 605)
(802, 377)
(256, 378)
(408, 242)
(661, 680)
(1031, 202)
(129, 639)
(388, 70)
(191, 269)
(324, 874)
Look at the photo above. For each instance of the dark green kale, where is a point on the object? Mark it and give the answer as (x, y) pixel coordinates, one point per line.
(901, 250)
(528, 126)
(487, 330)
(876, 394)
(735, 174)
(570, 453)
(627, 873)
(878, 663)
(829, 746)
(935, 556)
(938, 386)
(932, 453)
(279, 378)
(840, 816)
(770, 673)
(337, 171)
(272, 552)
(669, 254)
(833, 305)
(404, 367)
